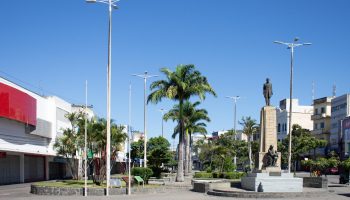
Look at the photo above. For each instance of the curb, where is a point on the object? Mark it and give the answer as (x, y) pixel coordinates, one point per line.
(271, 195)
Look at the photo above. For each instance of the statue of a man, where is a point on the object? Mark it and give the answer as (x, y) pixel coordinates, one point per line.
(268, 91)
(272, 157)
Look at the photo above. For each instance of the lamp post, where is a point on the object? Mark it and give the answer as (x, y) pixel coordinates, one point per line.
(291, 46)
(145, 76)
(111, 5)
(85, 141)
(129, 147)
(234, 98)
(162, 110)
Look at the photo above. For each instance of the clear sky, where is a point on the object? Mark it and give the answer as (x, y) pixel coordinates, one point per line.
(53, 46)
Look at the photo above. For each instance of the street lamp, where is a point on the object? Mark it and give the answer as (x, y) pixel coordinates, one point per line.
(291, 46)
(145, 76)
(162, 110)
(85, 140)
(129, 146)
(111, 4)
(234, 98)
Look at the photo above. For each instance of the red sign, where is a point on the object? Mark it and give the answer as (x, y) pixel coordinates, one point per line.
(2, 154)
(17, 105)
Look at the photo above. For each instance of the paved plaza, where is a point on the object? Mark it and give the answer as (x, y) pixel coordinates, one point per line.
(21, 191)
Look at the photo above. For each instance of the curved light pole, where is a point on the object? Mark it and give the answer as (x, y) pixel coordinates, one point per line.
(291, 46)
(111, 5)
(234, 98)
(145, 76)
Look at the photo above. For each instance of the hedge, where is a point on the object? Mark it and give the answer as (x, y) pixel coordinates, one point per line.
(225, 175)
(145, 173)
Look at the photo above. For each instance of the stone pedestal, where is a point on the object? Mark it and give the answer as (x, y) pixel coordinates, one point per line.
(270, 182)
(268, 136)
(269, 178)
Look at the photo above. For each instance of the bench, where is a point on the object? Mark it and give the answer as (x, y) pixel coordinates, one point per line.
(126, 180)
(139, 180)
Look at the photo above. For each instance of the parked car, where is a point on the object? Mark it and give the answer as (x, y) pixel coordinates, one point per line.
(333, 170)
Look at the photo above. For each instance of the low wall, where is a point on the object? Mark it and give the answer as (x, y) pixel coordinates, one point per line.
(206, 185)
(315, 182)
(66, 191)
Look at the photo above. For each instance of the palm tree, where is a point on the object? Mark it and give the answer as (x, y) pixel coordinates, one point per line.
(180, 85)
(250, 127)
(192, 118)
(69, 144)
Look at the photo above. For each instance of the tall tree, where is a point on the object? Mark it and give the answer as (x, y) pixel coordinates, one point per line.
(159, 154)
(250, 127)
(193, 123)
(303, 142)
(180, 85)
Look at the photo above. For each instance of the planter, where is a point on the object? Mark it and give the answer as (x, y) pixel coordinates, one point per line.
(66, 191)
(315, 182)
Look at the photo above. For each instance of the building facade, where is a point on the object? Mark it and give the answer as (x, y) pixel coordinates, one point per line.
(29, 125)
(322, 121)
(301, 115)
(340, 110)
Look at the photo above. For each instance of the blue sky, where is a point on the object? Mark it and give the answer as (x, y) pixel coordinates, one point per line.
(54, 46)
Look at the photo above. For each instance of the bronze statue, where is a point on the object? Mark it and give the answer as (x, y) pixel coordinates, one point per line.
(272, 157)
(268, 91)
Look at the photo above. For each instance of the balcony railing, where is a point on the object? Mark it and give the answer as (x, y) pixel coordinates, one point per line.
(319, 116)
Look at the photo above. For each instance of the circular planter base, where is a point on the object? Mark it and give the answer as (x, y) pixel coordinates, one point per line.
(248, 194)
(66, 191)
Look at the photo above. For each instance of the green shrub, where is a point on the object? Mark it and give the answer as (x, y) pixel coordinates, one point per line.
(156, 171)
(225, 175)
(145, 173)
(209, 170)
(203, 175)
(234, 175)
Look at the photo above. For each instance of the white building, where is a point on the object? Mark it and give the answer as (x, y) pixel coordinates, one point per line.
(301, 115)
(340, 110)
(29, 125)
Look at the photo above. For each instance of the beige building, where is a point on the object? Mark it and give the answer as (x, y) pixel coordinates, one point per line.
(322, 118)
(322, 122)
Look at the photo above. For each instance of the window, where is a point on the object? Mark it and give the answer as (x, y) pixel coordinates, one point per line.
(315, 126)
(322, 125)
(323, 110)
(279, 128)
(316, 111)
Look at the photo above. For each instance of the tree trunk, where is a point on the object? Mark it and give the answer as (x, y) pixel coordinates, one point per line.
(180, 164)
(187, 153)
(250, 153)
(190, 155)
